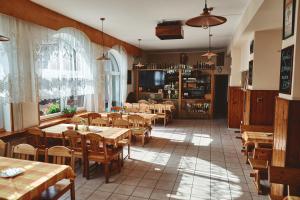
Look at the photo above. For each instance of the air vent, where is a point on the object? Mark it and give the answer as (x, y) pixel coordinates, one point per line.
(169, 30)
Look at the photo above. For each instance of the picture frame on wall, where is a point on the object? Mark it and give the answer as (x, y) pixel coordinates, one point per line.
(289, 9)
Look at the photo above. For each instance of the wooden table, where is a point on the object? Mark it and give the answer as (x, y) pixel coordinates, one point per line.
(37, 177)
(292, 198)
(112, 135)
(258, 137)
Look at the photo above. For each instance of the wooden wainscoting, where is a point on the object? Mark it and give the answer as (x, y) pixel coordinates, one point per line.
(260, 107)
(286, 149)
(235, 107)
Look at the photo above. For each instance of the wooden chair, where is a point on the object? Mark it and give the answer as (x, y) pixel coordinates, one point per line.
(262, 157)
(286, 176)
(114, 116)
(63, 156)
(131, 110)
(116, 109)
(161, 112)
(121, 123)
(144, 108)
(72, 140)
(93, 115)
(24, 152)
(37, 139)
(138, 126)
(100, 122)
(98, 152)
(143, 101)
(79, 120)
(3, 148)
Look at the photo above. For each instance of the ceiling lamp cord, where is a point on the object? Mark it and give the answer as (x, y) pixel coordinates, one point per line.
(139, 65)
(103, 57)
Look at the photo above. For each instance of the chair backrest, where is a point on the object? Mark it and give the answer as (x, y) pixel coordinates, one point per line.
(160, 108)
(144, 108)
(97, 145)
(38, 138)
(121, 123)
(286, 176)
(114, 116)
(256, 128)
(136, 121)
(60, 155)
(142, 101)
(93, 116)
(100, 122)
(79, 121)
(24, 151)
(128, 105)
(116, 109)
(263, 154)
(3, 148)
(72, 139)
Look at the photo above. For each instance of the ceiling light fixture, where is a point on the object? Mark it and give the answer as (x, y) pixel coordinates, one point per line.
(209, 53)
(103, 57)
(3, 38)
(206, 20)
(139, 65)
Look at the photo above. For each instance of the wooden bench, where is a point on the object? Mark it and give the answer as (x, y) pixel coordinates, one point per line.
(286, 176)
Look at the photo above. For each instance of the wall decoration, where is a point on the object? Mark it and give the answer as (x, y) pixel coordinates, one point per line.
(250, 73)
(288, 18)
(286, 70)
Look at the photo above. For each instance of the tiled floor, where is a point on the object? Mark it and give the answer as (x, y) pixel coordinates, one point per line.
(189, 159)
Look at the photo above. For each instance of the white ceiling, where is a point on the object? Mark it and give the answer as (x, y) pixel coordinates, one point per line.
(129, 20)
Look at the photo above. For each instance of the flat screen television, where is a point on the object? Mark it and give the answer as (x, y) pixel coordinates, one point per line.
(150, 80)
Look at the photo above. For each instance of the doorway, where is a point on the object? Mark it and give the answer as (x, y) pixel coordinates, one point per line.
(220, 103)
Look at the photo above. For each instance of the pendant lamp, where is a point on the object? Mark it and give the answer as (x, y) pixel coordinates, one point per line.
(206, 19)
(103, 57)
(209, 54)
(139, 65)
(3, 38)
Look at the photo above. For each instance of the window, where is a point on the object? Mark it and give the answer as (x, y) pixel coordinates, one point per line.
(64, 77)
(112, 83)
(4, 80)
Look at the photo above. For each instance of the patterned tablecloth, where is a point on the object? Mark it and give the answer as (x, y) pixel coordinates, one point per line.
(37, 177)
(112, 135)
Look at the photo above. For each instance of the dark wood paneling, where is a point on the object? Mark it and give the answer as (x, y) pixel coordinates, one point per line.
(235, 107)
(31, 12)
(286, 149)
(260, 107)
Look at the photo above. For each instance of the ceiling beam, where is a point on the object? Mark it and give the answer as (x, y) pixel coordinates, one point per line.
(32, 12)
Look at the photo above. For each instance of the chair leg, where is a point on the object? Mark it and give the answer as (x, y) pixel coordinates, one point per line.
(72, 190)
(106, 172)
(143, 140)
(165, 121)
(128, 150)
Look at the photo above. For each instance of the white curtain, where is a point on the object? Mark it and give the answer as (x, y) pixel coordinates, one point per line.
(64, 65)
(17, 80)
(123, 64)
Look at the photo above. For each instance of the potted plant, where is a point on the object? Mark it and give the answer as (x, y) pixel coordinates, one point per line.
(69, 112)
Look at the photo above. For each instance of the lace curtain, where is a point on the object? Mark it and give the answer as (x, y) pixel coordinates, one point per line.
(64, 65)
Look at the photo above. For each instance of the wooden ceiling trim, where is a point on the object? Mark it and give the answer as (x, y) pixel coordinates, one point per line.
(32, 12)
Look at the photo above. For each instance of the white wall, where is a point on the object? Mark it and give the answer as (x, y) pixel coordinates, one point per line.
(235, 76)
(266, 60)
